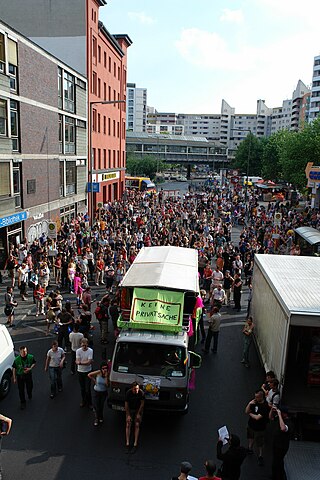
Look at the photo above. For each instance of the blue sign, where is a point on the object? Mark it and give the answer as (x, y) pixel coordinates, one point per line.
(11, 219)
(314, 175)
(95, 187)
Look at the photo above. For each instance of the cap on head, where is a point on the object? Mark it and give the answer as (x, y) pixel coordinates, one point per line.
(185, 467)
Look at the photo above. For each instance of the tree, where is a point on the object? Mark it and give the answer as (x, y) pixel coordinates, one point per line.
(147, 165)
(248, 156)
(298, 149)
(271, 157)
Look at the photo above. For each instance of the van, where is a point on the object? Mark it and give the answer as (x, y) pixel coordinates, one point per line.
(158, 295)
(6, 360)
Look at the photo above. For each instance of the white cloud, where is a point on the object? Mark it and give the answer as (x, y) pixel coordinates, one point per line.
(232, 16)
(141, 17)
(209, 50)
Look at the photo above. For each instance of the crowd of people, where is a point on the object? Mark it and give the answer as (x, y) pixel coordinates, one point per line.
(83, 257)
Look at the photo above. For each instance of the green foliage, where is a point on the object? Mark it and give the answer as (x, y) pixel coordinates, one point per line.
(249, 155)
(144, 165)
(271, 158)
(284, 155)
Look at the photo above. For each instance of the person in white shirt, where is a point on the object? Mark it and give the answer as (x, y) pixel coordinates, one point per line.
(84, 361)
(218, 297)
(54, 361)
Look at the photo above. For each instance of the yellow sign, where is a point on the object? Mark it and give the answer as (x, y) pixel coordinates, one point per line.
(108, 176)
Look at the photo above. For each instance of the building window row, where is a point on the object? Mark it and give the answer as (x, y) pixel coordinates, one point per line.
(104, 159)
(13, 131)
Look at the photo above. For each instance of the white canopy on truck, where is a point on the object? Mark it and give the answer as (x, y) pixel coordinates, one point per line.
(169, 267)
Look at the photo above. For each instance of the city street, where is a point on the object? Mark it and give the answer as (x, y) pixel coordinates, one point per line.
(56, 438)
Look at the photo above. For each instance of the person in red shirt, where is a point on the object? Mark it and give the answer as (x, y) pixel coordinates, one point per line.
(210, 469)
(39, 298)
(99, 271)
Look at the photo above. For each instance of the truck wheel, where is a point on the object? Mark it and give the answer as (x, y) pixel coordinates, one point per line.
(5, 385)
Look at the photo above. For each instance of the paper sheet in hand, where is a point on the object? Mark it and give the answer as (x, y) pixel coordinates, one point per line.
(223, 434)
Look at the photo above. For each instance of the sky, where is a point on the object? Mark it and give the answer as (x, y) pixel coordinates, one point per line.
(191, 54)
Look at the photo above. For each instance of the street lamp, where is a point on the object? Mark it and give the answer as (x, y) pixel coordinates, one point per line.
(248, 164)
(91, 104)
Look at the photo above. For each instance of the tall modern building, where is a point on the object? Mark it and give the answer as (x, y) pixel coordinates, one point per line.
(136, 108)
(300, 106)
(43, 140)
(314, 110)
(71, 31)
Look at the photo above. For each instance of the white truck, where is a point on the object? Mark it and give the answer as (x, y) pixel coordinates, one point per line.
(286, 313)
(6, 360)
(158, 295)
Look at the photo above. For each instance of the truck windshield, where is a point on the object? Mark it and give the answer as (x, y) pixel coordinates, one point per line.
(150, 359)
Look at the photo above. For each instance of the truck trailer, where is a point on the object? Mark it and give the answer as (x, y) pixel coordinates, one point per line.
(286, 313)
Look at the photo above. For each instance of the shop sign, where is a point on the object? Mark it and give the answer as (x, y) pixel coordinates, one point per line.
(11, 219)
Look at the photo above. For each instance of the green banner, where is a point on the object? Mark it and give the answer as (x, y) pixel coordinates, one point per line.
(157, 308)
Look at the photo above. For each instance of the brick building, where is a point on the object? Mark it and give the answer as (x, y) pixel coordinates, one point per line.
(72, 32)
(43, 140)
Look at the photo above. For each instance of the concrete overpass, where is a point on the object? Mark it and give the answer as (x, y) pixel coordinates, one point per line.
(183, 149)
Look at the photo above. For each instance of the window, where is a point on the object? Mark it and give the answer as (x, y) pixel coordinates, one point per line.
(81, 84)
(3, 117)
(99, 159)
(60, 134)
(59, 87)
(99, 54)
(99, 122)
(13, 77)
(31, 186)
(14, 125)
(99, 87)
(104, 91)
(4, 179)
(110, 64)
(105, 59)
(70, 178)
(69, 135)
(94, 83)
(68, 86)
(2, 54)
(16, 186)
(61, 173)
(104, 158)
(94, 50)
(94, 119)
(104, 125)
(114, 69)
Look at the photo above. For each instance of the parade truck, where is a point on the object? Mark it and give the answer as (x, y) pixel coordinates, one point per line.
(286, 314)
(158, 297)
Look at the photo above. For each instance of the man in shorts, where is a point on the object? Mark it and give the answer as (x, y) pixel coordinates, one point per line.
(258, 411)
(134, 404)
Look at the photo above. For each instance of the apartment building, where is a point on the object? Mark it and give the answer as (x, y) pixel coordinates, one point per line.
(314, 109)
(72, 32)
(300, 106)
(136, 108)
(43, 140)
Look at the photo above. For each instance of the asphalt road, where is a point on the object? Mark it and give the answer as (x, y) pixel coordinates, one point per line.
(55, 439)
